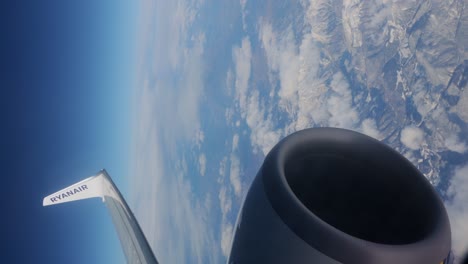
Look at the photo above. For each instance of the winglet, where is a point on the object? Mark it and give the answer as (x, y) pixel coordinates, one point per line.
(133, 241)
(87, 188)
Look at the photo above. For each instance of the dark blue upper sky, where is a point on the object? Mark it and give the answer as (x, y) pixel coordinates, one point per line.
(67, 71)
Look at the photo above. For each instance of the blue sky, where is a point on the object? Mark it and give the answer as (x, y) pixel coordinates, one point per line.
(68, 71)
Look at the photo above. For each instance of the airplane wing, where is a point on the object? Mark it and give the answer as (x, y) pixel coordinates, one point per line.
(132, 239)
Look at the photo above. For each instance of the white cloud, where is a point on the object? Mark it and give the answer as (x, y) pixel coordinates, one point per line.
(222, 169)
(369, 127)
(409, 155)
(242, 60)
(303, 92)
(453, 143)
(457, 208)
(235, 142)
(244, 12)
(422, 98)
(444, 132)
(181, 233)
(226, 193)
(225, 201)
(199, 137)
(234, 175)
(243, 3)
(226, 225)
(202, 164)
(340, 104)
(284, 60)
(229, 82)
(461, 108)
(263, 136)
(412, 137)
(226, 238)
(208, 202)
(228, 114)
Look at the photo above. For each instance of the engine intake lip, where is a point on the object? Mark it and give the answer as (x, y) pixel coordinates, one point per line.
(355, 199)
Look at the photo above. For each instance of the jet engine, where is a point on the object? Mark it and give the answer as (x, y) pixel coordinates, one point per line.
(328, 195)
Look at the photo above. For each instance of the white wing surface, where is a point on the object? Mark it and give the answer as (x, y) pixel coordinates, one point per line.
(132, 239)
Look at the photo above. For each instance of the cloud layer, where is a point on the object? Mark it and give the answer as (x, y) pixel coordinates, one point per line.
(322, 68)
(175, 217)
(458, 210)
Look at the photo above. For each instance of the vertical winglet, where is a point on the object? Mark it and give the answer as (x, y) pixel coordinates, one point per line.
(87, 188)
(134, 243)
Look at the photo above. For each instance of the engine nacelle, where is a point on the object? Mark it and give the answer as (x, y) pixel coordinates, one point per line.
(328, 195)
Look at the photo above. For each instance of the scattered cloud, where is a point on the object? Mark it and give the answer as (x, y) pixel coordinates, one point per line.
(176, 220)
(412, 137)
(244, 12)
(303, 92)
(453, 143)
(225, 201)
(457, 208)
(208, 202)
(228, 114)
(226, 238)
(242, 60)
(235, 142)
(199, 137)
(461, 108)
(181, 233)
(229, 82)
(226, 225)
(369, 127)
(243, 3)
(263, 136)
(202, 164)
(222, 169)
(340, 104)
(225, 204)
(283, 59)
(234, 175)
(409, 155)
(229, 190)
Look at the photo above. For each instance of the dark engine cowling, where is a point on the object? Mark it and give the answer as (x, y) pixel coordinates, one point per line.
(328, 195)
